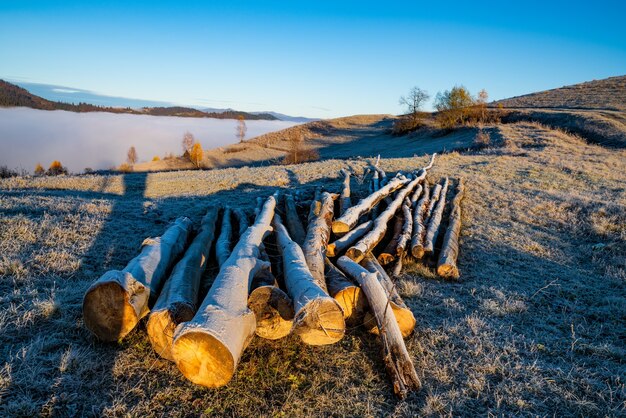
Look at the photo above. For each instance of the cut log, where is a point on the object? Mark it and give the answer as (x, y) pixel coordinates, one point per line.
(404, 316)
(344, 200)
(207, 349)
(419, 224)
(395, 355)
(432, 231)
(178, 300)
(318, 234)
(416, 195)
(432, 202)
(372, 238)
(341, 244)
(318, 317)
(447, 267)
(242, 220)
(272, 307)
(389, 253)
(407, 228)
(115, 303)
(223, 244)
(349, 219)
(346, 293)
(292, 220)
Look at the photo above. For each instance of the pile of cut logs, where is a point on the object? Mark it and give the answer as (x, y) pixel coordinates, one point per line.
(278, 275)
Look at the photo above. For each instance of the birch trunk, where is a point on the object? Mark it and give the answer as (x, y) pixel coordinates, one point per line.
(419, 225)
(341, 244)
(317, 236)
(344, 200)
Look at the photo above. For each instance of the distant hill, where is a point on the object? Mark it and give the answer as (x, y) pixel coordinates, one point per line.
(606, 94)
(12, 95)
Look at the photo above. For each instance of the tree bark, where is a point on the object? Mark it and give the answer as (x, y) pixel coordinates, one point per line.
(346, 293)
(395, 355)
(317, 236)
(115, 303)
(178, 300)
(292, 220)
(372, 238)
(447, 266)
(318, 317)
(207, 349)
(349, 219)
(344, 200)
(416, 195)
(242, 220)
(341, 244)
(419, 224)
(389, 253)
(435, 221)
(432, 202)
(407, 228)
(404, 316)
(224, 241)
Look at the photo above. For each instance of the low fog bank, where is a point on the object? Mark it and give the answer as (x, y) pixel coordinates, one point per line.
(101, 140)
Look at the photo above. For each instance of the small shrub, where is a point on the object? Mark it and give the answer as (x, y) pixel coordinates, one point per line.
(169, 156)
(406, 124)
(196, 154)
(39, 170)
(56, 169)
(6, 172)
(300, 156)
(131, 156)
(125, 168)
(482, 139)
(156, 158)
(88, 170)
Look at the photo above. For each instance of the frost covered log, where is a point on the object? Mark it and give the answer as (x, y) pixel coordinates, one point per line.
(341, 244)
(292, 220)
(273, 308)
(347, 293)
(447, 265)
(419, 224)
(318, 234)
(344, 198)
(178, 300)
(115, 303)
(389, 253)
(207, 349)
(434, 224)
(318, 317)
(395, 355)
(224, 240)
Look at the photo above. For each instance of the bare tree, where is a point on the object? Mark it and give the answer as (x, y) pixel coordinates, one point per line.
(131, 157)
(414, 100)
(481, 101)
(188, 141)
(241, 128)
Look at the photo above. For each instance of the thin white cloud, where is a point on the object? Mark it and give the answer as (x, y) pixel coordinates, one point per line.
(58, 90)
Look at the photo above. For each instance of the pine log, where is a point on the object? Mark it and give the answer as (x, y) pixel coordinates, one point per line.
(344, 200)
(349, 219)
(407, 228)
(178, 300)
(419, 224)
(207, 349)
(292, 220)
(317, 235)
(432, 231)
(397, 359)
(447, 267)
(339, 245)
(224, 240)
(115, 303)
(346, 293)
(404, 316)
(372, 238)
(318, 317)
(389, 253)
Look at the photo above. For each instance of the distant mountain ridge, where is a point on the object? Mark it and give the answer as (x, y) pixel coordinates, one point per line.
(12, 95)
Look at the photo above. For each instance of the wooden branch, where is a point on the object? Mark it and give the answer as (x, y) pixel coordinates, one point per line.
(419, 224)
(317, 235)
(389, 253)
(115, 303)
(344, 200)
(407, 228)
(435, 221)
(178, 300)
(242, 220)
(341, 244)
(372, 238)
(207, 349)
(346, 293)
(432, 202)
(349, 219)
(397, 359)
(224, 240)
(318, 317)
(416, 195)
(404, 316)
(292, 220)
(447, 267)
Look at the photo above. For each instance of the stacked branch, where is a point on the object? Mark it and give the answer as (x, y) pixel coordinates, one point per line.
(435, 221)
(341, 244)
(346, 293)
(116, 302)
(223, 244)
(419, 224)
(389, 253)
(344, 199)
(292, 220)
(397, 359)
(207, 349)
(447, 267)
(178, 300)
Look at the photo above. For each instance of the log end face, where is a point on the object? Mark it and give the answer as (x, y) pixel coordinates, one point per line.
(418, 251)
(355, 254)
(273, 310)
(353, 303)
(385, 258)
(108, 310)
(448, 271)
(404, 317)
(161, 325)
(320, 322)
(330, 250)
(340, 228)
(202, 358)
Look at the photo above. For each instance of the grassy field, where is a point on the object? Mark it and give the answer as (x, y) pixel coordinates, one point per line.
(535, 326)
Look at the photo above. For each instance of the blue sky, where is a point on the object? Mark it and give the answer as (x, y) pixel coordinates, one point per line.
(318, 59)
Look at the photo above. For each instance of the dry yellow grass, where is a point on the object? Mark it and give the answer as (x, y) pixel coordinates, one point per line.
(535, 327)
